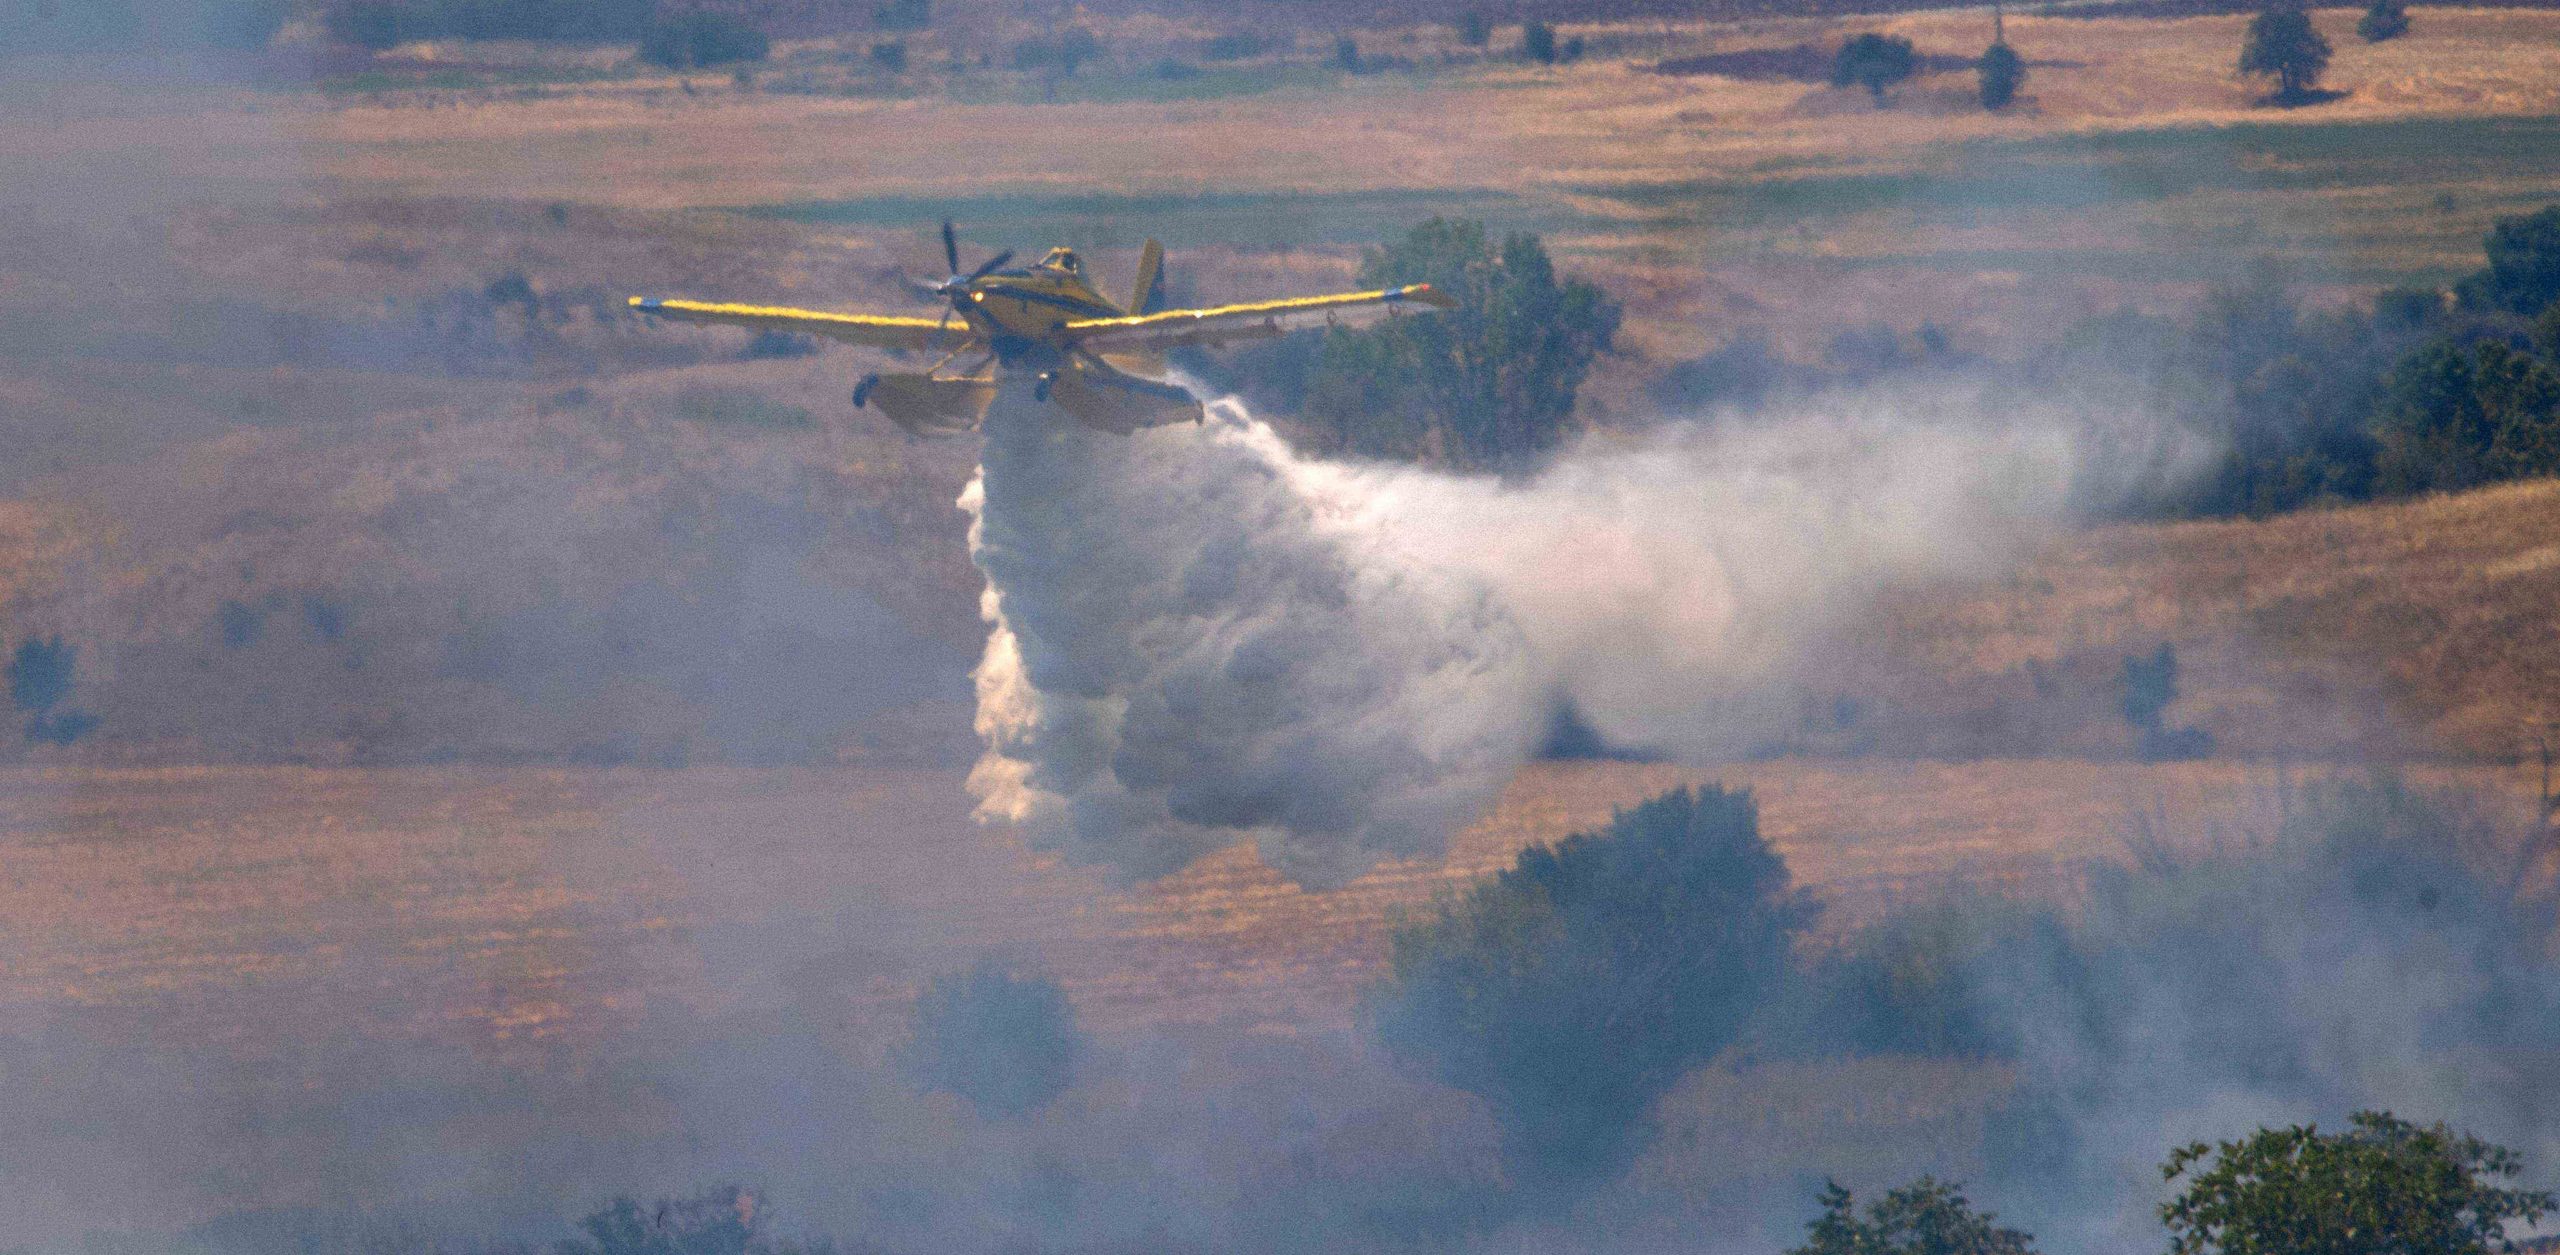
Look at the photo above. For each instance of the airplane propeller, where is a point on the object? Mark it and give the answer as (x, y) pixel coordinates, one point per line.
(952, 289)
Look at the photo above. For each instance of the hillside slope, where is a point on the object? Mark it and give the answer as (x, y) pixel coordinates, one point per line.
(2415, 628)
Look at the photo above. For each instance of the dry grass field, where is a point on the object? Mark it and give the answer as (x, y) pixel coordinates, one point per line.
(2414, 628)
(525, 910)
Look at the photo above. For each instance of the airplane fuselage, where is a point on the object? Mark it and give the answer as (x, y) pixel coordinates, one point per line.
(1021, 313)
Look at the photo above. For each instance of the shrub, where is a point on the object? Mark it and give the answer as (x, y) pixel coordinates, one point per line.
(2282, 43)
(1475, 30)
(1875, 62)
(1999, 75)
(40, 675)
(1487, 385)
(1572, 989)
(1538, 43)
(2523, 271)
(1005, 1042)
(1926, 1217)
(1346, 54)
(694, 40)
(2385, 19)
(2408, 309)
(2385, 1187)
(890, 56)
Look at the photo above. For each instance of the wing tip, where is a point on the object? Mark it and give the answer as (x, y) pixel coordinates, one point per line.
(1426, 294)
(647, 304)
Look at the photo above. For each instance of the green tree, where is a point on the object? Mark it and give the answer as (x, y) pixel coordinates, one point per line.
(2523, 274)
(1475, 30)
(1005, 1041)
(2455, 418)
(1487, 385)
(2000, 73)
(1538, 43)
(2386, 1187)
(1572, 989)
(2384, 19)
(1346, 54)
(1875, 62)
(1926, 1217)
(2520, 407)
(2282, 43)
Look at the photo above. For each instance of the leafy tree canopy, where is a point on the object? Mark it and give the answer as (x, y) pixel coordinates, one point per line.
(2523, 274)
(2385, 1187)
(2000, 73)
(1572, 989)
(1007, 1042)
(1487, 385)
(1926, 1217)
(1875, 62)
(2283, 44)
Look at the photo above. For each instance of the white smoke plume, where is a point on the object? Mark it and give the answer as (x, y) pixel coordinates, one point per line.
(1199, 636)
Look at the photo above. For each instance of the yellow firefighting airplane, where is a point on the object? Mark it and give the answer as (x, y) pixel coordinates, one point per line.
(1095, 360)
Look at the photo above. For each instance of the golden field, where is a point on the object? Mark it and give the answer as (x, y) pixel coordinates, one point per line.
(530, 909)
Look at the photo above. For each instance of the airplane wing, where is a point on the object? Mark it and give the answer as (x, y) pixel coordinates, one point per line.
(1252, 320)
(877, 330)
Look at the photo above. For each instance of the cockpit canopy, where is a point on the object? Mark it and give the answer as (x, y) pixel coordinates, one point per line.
(1062, 259)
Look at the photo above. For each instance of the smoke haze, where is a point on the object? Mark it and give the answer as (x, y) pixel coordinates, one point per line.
(1199, 636)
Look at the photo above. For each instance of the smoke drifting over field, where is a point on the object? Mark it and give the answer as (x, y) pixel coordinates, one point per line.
(1198, 635)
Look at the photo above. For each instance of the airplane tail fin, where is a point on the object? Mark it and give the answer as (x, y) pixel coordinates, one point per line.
(1149, 296)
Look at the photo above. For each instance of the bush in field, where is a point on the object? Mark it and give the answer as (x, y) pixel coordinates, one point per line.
(1538, 43)
(2282, 44)
(2149, 685)
(1475, 30)
(1487, 385)
(890, 55)
(1926, 1217)
(1571, 990)
(40, 674)
(1875, 62)
(1999, 74)
(2384, 1187)
(1007, 1042)
(1346, 54)
(2384, 19)
(689, 41)
(2523, 271)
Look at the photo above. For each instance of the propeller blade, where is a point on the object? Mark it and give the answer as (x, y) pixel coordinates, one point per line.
(990, 266)
(950, 248)
(940, 327)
